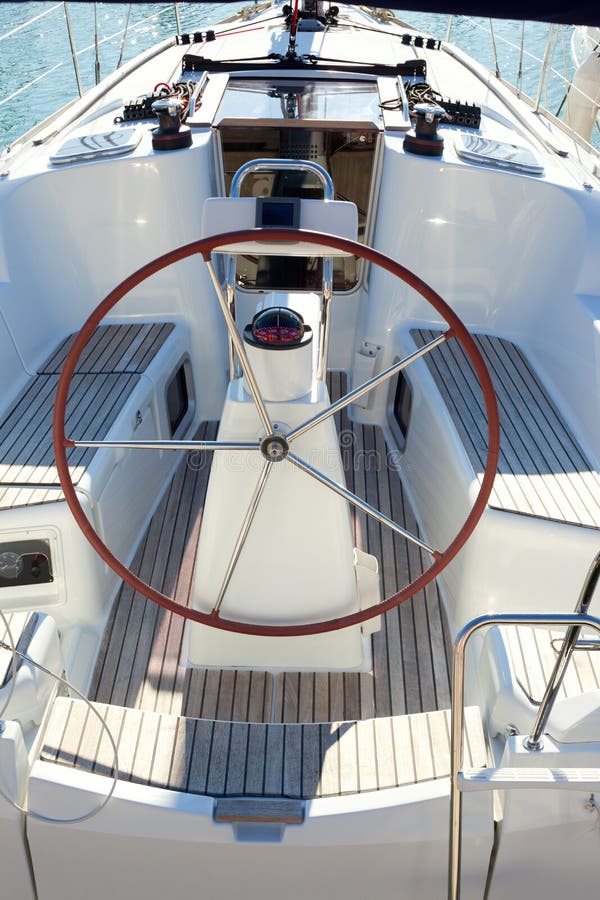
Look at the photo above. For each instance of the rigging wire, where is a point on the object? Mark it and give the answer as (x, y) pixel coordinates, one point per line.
(73, 49)
(96, 48)
(521, 49)
(17, 654)
(124, 38)
(495, 49)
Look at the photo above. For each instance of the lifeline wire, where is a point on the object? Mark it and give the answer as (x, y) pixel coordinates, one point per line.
(23, 809)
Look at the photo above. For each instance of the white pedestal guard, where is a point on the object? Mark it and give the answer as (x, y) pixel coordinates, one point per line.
(298, 561)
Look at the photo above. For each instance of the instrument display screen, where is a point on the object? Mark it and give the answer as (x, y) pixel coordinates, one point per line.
(277, 212)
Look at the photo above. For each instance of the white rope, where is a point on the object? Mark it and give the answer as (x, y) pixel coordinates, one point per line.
(70, 687)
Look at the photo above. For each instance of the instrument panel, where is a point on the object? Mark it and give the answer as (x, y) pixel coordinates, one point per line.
(24, 563)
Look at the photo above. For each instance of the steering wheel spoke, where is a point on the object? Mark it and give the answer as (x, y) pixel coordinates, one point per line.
(359, 503)
(363, 389)
(243, 534)
(167, 445)
(238, 344)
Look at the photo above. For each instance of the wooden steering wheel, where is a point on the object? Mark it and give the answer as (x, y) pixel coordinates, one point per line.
(273, 446)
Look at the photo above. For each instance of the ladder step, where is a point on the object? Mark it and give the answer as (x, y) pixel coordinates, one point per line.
(505, 778)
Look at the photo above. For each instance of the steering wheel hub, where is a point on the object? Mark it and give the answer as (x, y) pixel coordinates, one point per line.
(274, 447)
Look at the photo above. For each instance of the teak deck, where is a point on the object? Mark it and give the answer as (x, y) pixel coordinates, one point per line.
(239, 759)
(243, 733)
(109, 368)
(138, 665)
(542, 470)
(533, 652)
(300, 735)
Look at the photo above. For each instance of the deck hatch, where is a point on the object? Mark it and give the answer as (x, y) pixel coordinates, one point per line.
(349, 103)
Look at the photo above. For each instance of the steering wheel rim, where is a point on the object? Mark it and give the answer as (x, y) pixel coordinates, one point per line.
(205, 247)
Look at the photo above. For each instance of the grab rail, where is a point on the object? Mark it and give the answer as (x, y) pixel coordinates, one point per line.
(574, 623)
(534, 741)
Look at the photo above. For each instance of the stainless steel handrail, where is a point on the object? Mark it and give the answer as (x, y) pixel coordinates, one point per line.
(287, 165)
(534, 741)
(571, 620)
(269, 165)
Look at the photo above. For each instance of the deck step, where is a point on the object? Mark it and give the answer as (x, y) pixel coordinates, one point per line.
(259, 809)
(521, 778)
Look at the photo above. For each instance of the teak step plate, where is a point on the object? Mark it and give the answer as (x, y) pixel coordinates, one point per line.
(256, 809)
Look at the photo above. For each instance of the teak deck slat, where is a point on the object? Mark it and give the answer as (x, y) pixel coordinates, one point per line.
(108, 371)
(543, 471)
(113, 349)
(294, 761)
(533, 658)
(138, 664)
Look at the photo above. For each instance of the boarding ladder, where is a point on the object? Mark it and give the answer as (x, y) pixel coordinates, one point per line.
(492, 779)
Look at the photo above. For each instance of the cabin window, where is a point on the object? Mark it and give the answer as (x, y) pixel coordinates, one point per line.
(178, 399)
(402, 405)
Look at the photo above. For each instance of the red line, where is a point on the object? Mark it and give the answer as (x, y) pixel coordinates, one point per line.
(294, 24)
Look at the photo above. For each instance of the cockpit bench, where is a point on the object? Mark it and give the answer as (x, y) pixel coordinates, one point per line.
(543, 471)
(106, 375)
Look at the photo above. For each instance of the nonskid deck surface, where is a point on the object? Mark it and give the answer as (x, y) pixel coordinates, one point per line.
(138, 663)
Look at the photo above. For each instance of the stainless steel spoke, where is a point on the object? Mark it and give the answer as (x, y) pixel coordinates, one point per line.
(241, 538)
(239, 349)
(170, 445)
(356, 501)
(364, 389)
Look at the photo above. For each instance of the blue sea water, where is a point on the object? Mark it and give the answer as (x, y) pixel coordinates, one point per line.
(37, 75)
